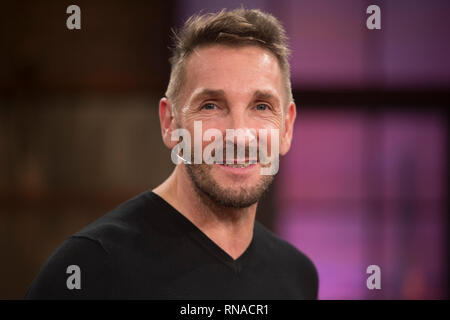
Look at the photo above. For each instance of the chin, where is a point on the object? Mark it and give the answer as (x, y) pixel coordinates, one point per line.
(229, 186)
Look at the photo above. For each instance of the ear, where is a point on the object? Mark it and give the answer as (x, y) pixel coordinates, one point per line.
(167, 121)
(289, 121)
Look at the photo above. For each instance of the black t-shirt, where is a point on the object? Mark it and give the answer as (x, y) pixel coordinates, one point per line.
(146, 249)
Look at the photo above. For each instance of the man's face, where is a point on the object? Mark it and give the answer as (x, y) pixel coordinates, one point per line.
(232, 88)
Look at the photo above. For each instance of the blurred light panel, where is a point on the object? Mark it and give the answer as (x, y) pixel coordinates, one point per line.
(355, 191)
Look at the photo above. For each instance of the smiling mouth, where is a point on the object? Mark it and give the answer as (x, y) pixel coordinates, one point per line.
(236, 167)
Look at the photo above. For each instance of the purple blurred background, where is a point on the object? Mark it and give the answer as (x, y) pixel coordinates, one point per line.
(364, 183)
(356, 191)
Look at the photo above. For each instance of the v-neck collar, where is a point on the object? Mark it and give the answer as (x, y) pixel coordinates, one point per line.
(202, 239)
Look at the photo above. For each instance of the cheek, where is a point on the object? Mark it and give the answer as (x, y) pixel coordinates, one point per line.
(198, 128)
(273, 124)
(274, 139)
(269, 121)
(210, 133)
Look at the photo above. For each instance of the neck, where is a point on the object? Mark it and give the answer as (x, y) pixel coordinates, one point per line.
(230, 228)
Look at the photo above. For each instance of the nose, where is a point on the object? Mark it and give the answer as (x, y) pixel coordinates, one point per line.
(237, 119)
(239, 129)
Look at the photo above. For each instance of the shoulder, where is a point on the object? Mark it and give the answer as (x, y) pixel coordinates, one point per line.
(93, 251)
(77, 269)
(280, 247)
(122, 225)
(292, 261)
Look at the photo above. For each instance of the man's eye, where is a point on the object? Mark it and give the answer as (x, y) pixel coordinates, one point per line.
(262, 107)
(209, 106)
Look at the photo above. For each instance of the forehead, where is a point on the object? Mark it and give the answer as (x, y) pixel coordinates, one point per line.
(241, 70)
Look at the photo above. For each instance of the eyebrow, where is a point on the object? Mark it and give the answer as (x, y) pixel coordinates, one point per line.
(209, 93)
(264, 95)
(220, 94)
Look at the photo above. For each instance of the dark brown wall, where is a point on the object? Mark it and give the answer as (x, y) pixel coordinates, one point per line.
(79, 131)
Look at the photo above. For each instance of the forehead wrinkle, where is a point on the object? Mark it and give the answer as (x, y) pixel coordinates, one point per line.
(265, 61)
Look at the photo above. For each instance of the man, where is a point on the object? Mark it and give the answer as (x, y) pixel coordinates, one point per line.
(195, 235)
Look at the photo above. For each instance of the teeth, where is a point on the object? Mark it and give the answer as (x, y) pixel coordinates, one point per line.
(238, 165)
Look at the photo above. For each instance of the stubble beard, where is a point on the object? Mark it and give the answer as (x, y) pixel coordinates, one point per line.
(207, 186)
